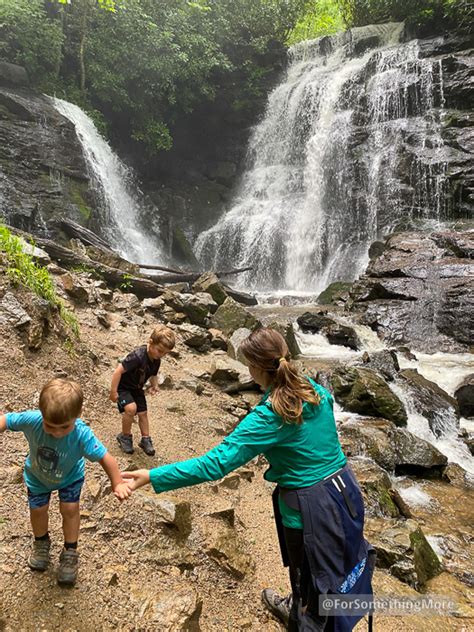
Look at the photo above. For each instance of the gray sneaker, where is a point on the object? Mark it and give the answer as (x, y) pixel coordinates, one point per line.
(68, 565)
(126, 443)
(39, 556)
(146, 445)
(278, 606)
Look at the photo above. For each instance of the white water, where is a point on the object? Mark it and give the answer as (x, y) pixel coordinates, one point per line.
(121, 223)
(327, 162)
(414, 495)
(446, 370)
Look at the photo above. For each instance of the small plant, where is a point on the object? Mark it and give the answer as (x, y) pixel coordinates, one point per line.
(126, 282)
(24, 270)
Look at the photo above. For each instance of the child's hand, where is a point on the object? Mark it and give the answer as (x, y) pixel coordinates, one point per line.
(113, 396)
(122, 490)
(153, 390)
(136, 479)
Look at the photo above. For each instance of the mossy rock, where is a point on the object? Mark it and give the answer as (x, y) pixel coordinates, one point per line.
(231, 316)
(363, 391)
(334, 293)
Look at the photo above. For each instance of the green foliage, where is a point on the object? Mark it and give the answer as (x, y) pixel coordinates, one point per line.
(423, 15)
(23, 270)
(147, 63)
(321, 17)
(126, 282)
(31, 38)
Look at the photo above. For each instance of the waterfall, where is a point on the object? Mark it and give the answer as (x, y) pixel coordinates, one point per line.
(121, 205)
(348, 149)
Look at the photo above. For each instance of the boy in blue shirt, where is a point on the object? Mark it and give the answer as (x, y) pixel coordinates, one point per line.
(58, 443)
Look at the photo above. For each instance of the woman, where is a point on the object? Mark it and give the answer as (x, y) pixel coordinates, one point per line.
(318, 506)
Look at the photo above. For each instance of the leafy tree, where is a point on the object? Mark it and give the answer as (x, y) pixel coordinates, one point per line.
(321, 17)
(29, 37)
(424, 15)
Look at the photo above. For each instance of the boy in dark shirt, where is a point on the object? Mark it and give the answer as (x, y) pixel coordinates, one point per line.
(127, 385)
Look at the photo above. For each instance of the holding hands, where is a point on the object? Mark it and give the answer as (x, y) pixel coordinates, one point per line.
(122, 490)
(136, 479)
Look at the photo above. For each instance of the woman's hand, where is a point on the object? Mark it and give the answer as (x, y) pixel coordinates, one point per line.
(136, 479)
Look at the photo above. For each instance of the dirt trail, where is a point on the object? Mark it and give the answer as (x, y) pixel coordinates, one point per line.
(120, 574)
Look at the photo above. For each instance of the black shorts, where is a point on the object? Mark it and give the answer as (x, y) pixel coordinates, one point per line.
(130, 397)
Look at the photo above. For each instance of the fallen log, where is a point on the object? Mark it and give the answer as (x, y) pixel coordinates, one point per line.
(234, 271)
(161, 268)
(75, 230)
(67, 258)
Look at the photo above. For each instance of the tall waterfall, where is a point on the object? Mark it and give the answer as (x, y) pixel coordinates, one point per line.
(349, 148)
(121, 205)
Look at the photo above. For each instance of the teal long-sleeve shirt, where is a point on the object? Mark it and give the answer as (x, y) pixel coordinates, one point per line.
(299, 454)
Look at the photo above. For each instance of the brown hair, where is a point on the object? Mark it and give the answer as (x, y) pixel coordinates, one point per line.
(163, 335)
(267, 350)
(61, 401)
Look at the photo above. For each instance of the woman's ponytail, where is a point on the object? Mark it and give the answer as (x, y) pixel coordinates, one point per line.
(267, 350)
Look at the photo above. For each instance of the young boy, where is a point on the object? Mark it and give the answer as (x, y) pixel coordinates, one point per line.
(127, 385)
(58, 443)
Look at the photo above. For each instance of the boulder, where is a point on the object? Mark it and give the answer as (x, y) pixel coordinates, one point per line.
(420, 291)
(40, 256)
(395, 449)
(432, 402)
(75, 288)
(336, 333)
(126, 301)
(218, 340)
(153, 305)
(228, 372)
(172, 512)
(405, 551)
(197, 307)
(231, 316)
(464, 396)
(376, 485)
(235, 340)
(12, 74)
(363, 391)
(384, 362)
(208, 282)
(12, 312)
(336, 293)
(195, 337)
(457, 476)
(287, 331)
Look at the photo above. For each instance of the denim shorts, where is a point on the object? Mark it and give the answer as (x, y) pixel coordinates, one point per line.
(69, 494)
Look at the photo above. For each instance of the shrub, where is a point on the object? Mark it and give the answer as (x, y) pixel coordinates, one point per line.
(24, 270)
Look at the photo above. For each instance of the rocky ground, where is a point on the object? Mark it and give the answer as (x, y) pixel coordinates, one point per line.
(198, 558)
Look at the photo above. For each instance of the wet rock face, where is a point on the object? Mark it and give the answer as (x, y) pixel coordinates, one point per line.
(42, 164)
(335, 332)
(406, 552)
(432, 402)
(420, 291)
(465, 396)
(395, 449)
(363, 391)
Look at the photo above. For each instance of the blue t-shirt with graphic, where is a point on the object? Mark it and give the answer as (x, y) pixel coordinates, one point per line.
(54, 463)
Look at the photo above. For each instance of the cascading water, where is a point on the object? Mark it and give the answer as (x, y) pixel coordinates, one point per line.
(329, 163)
(121, 223)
